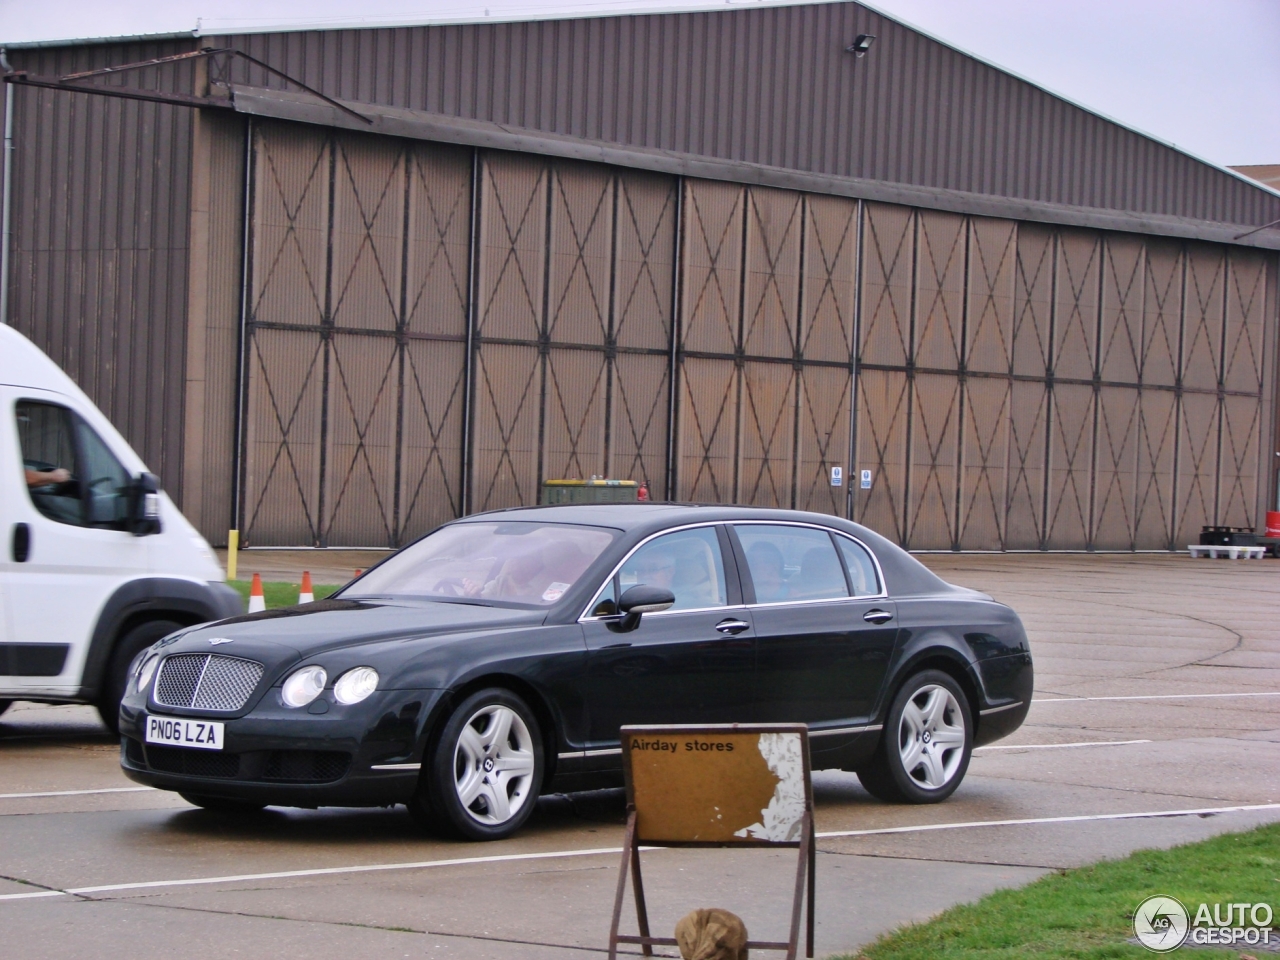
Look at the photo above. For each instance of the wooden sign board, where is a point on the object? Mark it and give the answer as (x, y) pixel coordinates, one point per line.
(722, 785)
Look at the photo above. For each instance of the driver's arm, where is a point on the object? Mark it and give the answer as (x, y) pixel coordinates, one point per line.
(38, 478)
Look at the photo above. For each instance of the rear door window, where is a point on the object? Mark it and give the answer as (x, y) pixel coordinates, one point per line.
(790, 563)
(862, 569)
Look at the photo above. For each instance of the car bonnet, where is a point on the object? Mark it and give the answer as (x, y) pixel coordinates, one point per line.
(290, 633)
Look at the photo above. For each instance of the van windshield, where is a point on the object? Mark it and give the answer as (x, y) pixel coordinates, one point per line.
(503, 563)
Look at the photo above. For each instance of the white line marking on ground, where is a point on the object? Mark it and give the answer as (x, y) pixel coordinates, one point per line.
(599, 851)
(1203, 811)
(317, 872)
(1158, 696)
(1060, 746)
(73, 793)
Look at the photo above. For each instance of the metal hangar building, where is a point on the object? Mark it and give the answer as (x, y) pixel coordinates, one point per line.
(339, 286)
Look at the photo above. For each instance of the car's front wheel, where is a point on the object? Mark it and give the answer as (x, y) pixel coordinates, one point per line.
(928, 738)
(485, 773)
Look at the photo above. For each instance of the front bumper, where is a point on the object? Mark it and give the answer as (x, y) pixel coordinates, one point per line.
(366, 755)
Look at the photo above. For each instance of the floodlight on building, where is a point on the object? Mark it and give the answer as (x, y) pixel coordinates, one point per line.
(861, 45)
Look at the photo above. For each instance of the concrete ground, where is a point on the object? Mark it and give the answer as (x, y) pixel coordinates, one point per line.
(1156, 722)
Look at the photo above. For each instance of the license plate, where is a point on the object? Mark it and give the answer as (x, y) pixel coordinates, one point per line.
(175, 732)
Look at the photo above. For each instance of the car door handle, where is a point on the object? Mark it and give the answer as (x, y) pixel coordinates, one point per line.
(732, 627)
(877, 616)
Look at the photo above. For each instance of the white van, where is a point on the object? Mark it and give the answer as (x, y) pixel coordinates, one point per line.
(97, 562)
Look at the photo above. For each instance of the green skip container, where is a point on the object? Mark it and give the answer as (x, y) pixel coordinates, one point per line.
(593, 491)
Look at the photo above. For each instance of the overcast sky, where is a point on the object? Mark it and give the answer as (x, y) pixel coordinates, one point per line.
(1203, 74)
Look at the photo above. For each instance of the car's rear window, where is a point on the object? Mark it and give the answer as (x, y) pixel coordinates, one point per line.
(513, 562)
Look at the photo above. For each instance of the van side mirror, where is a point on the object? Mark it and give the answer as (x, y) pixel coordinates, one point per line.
(144, 505)
(641, 599)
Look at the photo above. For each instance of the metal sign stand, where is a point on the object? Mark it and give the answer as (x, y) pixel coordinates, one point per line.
(806, 846)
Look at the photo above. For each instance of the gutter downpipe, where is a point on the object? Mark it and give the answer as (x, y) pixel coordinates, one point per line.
(6, 192)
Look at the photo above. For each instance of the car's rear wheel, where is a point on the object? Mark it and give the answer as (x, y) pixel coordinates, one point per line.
(116, 678)
(485, 772)
(222, 804)
(927, 741)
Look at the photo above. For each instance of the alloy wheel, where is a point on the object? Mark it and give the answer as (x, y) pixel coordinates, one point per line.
(931, 736)
(493, 765)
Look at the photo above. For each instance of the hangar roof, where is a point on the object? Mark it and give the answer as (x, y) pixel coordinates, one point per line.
(761, 94)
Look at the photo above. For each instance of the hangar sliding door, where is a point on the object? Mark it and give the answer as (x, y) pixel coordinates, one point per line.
(766, 329)
(432, 331)
(573, 328)
(363, 279)
(356, 315)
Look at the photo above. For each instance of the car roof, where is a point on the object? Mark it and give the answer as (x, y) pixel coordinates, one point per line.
(638, 516)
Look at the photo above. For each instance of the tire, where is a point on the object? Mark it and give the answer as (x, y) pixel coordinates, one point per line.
(5, 705)
(924, 751)
(222, 805)
(117, 676)
(485, 771)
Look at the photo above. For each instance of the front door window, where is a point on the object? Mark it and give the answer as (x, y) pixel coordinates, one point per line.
(687, 562)
(71, 475)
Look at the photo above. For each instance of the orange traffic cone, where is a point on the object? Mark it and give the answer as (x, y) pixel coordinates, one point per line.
(305, 593)
(257, 602)
(358, 572)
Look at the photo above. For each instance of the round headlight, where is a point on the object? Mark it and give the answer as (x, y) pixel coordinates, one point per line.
(354, 685)
(304, 686)
(147, 671)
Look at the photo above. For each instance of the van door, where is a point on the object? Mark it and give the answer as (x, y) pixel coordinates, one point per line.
(73, 500)
(9, 491)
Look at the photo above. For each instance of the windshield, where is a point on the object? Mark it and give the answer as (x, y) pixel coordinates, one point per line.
(512, 562)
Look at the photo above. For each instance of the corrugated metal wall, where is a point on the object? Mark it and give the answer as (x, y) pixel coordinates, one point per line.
(1018, 387)
(770, 86)
(100, 242)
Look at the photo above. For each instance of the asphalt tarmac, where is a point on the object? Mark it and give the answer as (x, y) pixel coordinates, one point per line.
(1156, 722)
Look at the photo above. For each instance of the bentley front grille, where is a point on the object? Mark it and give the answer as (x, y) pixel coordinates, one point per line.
(206, 681)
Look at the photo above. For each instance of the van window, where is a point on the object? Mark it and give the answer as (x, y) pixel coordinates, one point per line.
(71, 474)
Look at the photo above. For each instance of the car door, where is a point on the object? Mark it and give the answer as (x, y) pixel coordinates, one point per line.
(693, 663)
(77, 550)
(824, 629)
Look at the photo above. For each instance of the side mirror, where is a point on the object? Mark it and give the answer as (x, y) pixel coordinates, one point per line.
(641, 599)
(144, 505)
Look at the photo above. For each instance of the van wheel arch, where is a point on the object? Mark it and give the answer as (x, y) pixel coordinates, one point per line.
(184, 602)
(132, 642)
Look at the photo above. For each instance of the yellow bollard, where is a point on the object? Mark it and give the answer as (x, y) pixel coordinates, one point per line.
(233, 548)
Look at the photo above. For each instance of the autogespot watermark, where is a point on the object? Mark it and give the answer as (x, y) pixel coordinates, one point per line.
(1162, 924)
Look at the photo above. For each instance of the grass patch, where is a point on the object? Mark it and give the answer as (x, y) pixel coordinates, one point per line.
(281, 594)
(1087, 912)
